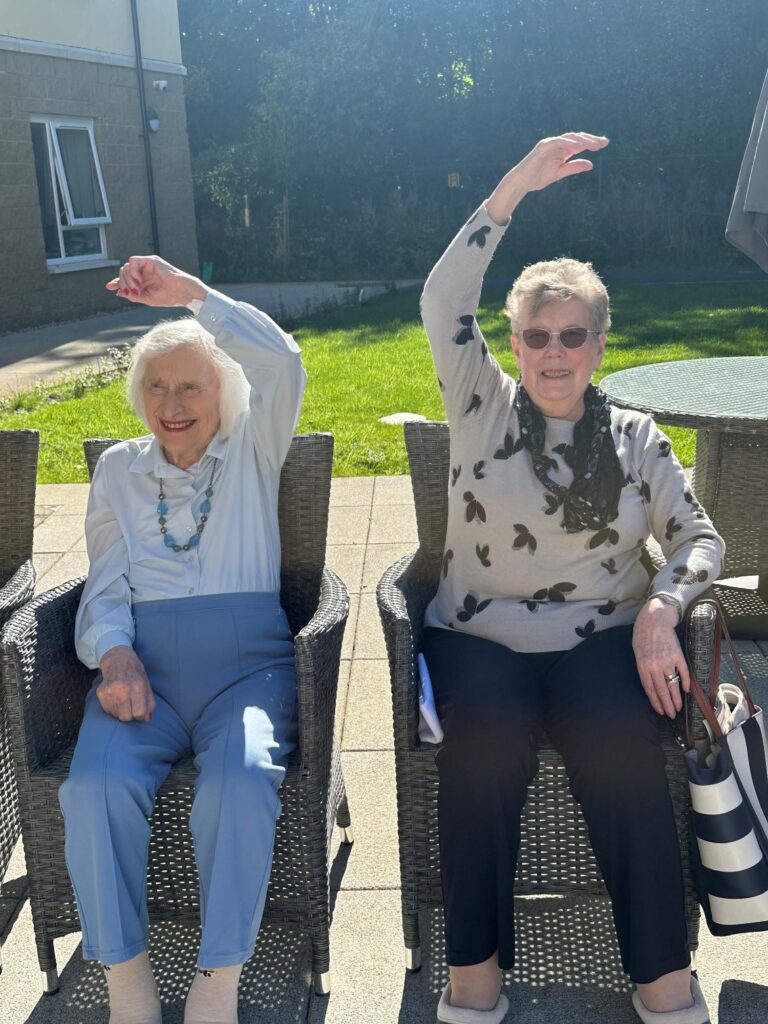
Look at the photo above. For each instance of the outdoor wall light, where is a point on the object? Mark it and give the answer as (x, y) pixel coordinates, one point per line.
(153, 120)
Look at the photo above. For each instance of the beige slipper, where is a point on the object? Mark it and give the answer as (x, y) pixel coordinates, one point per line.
(447, 1014)
(696, 1014)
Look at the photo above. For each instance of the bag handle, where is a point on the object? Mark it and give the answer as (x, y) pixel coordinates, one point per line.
(707, 706)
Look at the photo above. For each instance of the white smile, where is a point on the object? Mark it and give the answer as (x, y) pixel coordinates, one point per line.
(555, 374)
(176, 424)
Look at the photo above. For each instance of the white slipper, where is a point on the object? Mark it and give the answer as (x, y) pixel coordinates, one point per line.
(696, 1014)
(447, 1014)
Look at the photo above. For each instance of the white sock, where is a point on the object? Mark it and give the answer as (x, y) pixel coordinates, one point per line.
(212, 997)
(133, 995)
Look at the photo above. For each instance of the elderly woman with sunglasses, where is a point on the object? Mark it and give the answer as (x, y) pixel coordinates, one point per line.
(181, 614)
(546, 618)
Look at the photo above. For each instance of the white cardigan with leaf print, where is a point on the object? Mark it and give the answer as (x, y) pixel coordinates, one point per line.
(510, 571)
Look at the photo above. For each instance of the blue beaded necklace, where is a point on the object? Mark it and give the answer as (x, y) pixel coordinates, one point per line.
(205, 509)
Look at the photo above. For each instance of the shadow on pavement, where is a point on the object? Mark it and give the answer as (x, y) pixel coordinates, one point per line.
(742, 1002)
(567, 969)
(274, 987)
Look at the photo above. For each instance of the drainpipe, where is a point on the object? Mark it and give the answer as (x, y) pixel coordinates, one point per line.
(145, 129)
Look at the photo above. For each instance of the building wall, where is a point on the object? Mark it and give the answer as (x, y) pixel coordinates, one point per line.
(96, 25)
(33, 83)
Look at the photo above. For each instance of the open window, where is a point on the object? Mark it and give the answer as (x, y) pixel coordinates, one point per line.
(73, 200)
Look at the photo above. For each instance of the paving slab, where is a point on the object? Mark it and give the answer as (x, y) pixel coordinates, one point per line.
(393, 490)
(369, 636)
(373, 860)
(379, 557)
(71, 498)
(393, 524)
(59, 532)
(69, 566)
(352, 490)
(348, 643)
(368, 719)
(348, 524)
(346, 560)
(342, 693)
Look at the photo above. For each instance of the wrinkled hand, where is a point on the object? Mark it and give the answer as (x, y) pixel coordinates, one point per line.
(549, 161)
(553, 159)
(154, 282)
(125, 691)
(658, 655)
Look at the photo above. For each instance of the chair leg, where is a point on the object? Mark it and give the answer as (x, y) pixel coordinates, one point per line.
(46, 957)
(344, 821)
(412, 942)
(321, 964)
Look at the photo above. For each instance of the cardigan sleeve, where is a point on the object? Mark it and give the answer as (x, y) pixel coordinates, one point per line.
(466, 371)
(692, 547)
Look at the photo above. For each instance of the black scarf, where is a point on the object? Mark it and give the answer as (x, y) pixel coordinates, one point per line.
(592, 500)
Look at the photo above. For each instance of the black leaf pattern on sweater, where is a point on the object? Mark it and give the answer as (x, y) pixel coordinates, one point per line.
(474, 508)
(471, 607)
(482, 553)
(478, 237)
(474, 405)
(524, 538)
(465, 333)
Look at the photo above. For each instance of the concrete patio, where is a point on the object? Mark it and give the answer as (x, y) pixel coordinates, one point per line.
(371, 524)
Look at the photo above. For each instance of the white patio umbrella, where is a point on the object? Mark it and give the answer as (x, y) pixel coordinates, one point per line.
(747, 226)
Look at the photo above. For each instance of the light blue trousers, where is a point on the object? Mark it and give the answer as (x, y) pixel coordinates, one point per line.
(222, 670)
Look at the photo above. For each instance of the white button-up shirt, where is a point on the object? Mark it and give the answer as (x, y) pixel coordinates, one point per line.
(239, 549)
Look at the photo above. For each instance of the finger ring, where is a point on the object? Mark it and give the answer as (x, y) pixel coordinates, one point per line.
(673, 678)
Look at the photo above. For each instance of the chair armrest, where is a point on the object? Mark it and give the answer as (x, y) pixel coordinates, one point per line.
(17, 590)
(318, 654)
(45, 683)
(403, 593)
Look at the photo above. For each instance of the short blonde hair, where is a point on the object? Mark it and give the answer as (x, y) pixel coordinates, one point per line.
(234, 391)
(557, 281)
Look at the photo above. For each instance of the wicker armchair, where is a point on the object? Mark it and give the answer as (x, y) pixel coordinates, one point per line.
(555, 854)
(18, 475)
(730, 477)
(46, 687)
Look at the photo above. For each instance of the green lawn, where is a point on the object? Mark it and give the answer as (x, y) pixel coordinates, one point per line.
(366, 362)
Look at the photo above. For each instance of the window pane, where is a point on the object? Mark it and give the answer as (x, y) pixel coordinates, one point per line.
(45, 191)
(82, 241)
(80, 171)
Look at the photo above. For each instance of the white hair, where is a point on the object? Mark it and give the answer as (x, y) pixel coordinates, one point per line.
(171, 334)
(557, 281)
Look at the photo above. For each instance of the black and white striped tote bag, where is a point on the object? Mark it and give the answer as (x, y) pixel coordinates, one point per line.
(728, 777)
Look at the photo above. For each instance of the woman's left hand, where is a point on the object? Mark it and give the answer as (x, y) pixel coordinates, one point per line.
(659, 656)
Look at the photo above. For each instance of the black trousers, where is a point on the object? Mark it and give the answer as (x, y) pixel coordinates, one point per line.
(493, 704)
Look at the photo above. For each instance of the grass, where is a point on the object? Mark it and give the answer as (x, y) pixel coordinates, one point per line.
(367, 362)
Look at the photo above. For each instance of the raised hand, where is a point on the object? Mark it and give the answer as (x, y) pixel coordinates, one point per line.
(549, 161)
(154, 282)
(125, 691)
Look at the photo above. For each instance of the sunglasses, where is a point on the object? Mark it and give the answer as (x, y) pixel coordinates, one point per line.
(571, 337)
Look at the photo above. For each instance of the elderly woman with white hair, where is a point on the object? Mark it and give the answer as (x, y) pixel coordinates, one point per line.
(181, 615)
(545, 617)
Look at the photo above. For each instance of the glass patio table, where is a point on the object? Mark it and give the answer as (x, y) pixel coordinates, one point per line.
(726, 401)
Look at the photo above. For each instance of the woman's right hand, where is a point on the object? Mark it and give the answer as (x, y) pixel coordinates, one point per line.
(548, 161)
(125, 691)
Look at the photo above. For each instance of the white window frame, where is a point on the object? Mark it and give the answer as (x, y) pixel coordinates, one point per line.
(59, 184)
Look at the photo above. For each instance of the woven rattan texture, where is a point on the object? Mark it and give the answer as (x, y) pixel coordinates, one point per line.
(18, 474)
(555, 855)
(721, 394)
(47, 687)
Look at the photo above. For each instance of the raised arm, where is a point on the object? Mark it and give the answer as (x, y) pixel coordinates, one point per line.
(465, 369)
(270, 358)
